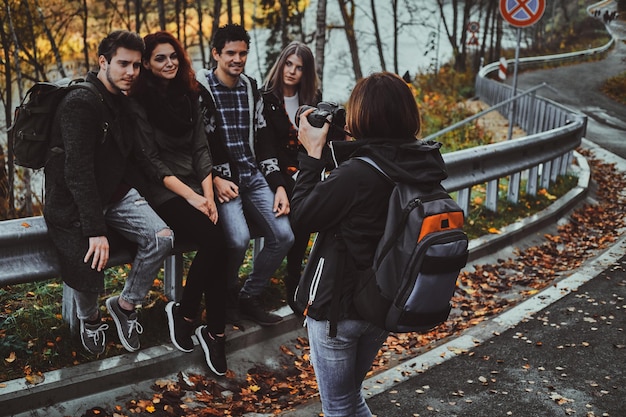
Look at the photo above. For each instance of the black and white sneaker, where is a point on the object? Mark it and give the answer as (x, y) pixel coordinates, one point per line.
(128, 328)
(180, 329)
(93, 336)
(214, 348)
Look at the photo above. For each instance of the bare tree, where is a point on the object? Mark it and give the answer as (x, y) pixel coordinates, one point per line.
(138, 7)
(53, 44)
(6, 180)
(379, 43)
(348, 19)
(10, 178)
(284, 31)
(161, 11)
(320, 38)
(217, 11)
(229, 11)
(200, 33)
(185, 24)
(460, 19)
(85, 34)
(242, 14)
(394, 13)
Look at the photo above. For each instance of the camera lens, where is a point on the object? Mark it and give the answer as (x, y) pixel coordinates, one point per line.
(299, 112)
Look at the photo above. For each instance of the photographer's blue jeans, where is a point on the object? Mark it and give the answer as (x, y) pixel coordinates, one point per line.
(256, 200)
(341, 363)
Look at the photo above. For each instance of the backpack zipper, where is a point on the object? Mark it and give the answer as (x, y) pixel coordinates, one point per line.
(317, 276)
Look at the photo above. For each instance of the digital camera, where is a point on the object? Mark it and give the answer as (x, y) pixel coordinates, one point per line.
(319, 116)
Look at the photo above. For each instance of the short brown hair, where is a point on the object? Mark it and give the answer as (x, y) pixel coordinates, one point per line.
(120, 39)
(382, 106)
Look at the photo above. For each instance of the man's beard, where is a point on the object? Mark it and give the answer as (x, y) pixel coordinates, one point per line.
(112, 83)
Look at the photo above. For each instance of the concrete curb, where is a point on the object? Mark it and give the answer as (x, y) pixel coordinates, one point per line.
(94, 378)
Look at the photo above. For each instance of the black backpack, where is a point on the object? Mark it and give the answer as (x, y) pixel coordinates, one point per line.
(32, 122)
(417, 261)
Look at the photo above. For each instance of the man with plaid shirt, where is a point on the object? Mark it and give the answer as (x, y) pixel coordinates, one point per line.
(232, 111)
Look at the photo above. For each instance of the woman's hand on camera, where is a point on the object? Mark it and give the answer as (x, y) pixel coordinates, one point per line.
(313, 139)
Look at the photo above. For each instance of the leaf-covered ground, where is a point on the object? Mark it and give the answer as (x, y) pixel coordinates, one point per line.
(486, 291)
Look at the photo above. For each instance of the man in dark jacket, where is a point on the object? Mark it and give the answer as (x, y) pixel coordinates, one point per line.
(232, 111)
(89, 192)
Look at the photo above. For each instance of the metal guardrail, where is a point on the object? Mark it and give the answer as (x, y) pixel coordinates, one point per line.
(556, 132)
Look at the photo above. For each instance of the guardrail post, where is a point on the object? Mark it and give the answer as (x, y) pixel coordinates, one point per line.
(463, 199)
(533, 177)
(491, 199)
(68, 310)
(173, 277)
(545, 175)
(514, 186)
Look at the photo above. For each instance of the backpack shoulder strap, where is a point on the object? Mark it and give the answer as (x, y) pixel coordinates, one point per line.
(374, 165)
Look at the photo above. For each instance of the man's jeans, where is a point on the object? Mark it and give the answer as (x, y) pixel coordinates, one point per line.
(135, 220)
(341, 363)
(256, 200)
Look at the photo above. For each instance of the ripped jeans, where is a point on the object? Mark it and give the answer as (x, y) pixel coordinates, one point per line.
(135, 220)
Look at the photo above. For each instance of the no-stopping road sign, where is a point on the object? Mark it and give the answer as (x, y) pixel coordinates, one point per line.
(522, 13)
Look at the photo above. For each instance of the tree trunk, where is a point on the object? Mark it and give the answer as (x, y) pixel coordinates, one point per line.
(53, 45)
(242, 14)
(161, 10)
(85, 34)
(6, 188)
(217, 10)
(138, 14)
(486, 28)
(8, 176)
(201, 33)
(177, 16)
(394, 11)
(379, 43)
(320, 39)
(229, 11)
(348, 19)
(184, 14)
(284, 30)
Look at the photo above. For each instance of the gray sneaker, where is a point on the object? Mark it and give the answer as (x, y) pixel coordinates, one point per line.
(128, 328)
(93, 336)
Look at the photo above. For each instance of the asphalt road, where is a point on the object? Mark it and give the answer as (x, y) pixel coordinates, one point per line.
(566, 360)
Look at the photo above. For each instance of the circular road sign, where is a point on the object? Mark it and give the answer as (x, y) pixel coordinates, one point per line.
(522, 13)
(473, 27)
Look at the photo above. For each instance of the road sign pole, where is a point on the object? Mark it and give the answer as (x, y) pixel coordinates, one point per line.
(514, 103)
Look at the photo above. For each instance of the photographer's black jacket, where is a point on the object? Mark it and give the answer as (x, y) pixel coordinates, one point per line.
(349, 208)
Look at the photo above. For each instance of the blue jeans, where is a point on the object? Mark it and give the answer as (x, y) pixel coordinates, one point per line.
(255, 203)
(341, 363)
(135, 220)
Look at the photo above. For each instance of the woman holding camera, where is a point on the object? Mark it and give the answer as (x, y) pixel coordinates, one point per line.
(348, 209)
(290, 83)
